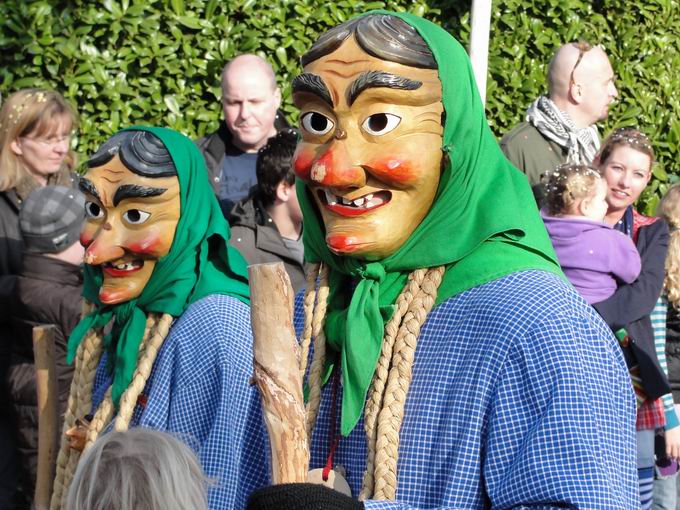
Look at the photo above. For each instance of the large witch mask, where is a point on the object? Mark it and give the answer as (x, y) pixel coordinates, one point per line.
(371, 109)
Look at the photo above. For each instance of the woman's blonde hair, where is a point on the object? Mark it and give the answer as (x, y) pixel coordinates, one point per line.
(138, 468)
(626, 137)
(669, 210)
(35, 112)
(567, 184)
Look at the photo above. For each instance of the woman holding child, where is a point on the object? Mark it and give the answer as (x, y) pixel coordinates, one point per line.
(592, 224)
(625, 163)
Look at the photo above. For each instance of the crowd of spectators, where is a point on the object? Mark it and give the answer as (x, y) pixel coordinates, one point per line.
(623, 263)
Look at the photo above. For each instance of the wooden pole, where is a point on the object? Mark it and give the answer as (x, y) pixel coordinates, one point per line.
(276, 373)
(48, 433)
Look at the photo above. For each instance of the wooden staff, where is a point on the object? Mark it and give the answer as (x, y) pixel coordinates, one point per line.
(276, 361)
(48, 433)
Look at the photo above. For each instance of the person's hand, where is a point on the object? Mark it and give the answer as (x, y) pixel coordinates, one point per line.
(301, 496)
(673, 443)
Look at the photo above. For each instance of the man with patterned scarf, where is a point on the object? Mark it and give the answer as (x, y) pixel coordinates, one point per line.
(560, 128)
(452, 366)
(165, 342)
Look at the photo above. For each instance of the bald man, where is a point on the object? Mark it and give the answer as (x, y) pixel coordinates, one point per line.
(560, 127)
(250, 102)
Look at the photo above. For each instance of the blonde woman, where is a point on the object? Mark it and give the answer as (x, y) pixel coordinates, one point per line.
(665, 492)
(35, 133)
(35, 129)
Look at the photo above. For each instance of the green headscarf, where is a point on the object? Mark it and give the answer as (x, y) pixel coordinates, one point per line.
(483, 224)
(200, 262)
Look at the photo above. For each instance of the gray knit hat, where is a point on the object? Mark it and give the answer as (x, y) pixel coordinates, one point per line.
(50, 219)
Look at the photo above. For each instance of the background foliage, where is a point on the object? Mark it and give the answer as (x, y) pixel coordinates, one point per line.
(123, 62)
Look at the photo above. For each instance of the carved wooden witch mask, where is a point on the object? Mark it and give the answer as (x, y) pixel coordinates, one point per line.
(132, 210)
(371, 123)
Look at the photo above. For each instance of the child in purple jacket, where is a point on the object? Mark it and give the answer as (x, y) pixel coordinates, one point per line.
(593, 255)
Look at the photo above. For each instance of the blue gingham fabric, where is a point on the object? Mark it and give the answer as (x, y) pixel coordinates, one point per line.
(199, 390)
(520, 399)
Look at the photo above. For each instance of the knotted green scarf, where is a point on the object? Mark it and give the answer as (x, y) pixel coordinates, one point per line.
(200, 262)
(483, 224)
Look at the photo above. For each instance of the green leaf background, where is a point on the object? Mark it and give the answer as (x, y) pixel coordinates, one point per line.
(122, 62)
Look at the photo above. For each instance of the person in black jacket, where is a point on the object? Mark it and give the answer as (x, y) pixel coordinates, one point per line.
(35, 132)
(250, 102)
(47, 292)
(666, 489)
(625, 162)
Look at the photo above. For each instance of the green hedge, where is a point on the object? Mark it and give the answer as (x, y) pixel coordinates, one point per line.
(158, 61)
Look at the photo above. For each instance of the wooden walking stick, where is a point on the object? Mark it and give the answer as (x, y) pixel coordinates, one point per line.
(276, 361)
(48, 433)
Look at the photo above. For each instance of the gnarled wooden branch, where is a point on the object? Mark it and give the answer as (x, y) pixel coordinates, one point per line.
(276, 361)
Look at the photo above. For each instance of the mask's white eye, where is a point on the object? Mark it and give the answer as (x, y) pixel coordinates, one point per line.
(380, 123)
(93, 210)
(316, 124)
(135, 216)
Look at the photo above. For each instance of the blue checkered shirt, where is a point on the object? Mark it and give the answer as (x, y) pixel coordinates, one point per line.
(199, 390)
(520, 398)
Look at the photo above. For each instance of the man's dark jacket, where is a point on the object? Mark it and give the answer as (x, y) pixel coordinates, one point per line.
(47, 291)
(216, 145)
(255, 236)
(631, 305)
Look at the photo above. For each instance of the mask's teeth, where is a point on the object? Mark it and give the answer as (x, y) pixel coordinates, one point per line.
(359, 202)
(369, 197)
(346, 201)
(330, 198)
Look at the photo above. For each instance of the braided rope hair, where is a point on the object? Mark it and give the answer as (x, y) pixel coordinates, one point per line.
(384, 411)
(88, 357)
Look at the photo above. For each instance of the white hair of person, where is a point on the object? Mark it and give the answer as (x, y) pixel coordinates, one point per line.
(142, 469)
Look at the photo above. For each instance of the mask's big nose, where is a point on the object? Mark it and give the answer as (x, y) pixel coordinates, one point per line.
(334, 170)
(104, 248)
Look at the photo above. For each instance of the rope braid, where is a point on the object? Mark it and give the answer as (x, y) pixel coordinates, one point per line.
(376, 392)
(144, 365)
(80, 397)
(106, 410)
(88, 357)
(308, 307)
(319, 358)
(398, 383)
(384, 411)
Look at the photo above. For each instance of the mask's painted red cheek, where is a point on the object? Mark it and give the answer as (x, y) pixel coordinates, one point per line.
(150, 245)
(302, 162)
(394, 170)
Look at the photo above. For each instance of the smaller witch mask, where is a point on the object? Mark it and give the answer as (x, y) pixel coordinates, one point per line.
(132, 210)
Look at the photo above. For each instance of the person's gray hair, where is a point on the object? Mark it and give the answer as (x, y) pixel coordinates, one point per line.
(138, 469)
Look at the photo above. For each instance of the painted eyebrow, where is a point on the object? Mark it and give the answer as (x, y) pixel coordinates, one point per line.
(380, 79)
(135, 191)
(312, 83)
(86, 186)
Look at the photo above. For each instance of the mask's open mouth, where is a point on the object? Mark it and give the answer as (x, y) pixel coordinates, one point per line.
(122, 268)
(361, 205)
